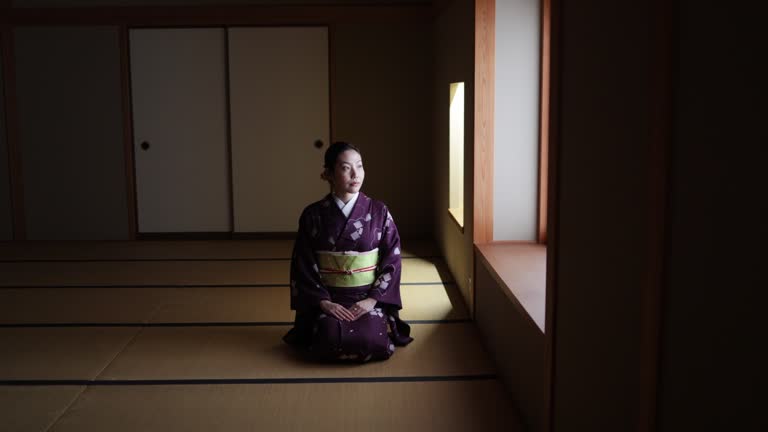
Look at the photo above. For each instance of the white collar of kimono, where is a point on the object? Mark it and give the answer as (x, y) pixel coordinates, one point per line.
(346, 208)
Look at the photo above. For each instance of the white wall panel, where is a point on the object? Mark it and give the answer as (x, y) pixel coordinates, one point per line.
(516, 124)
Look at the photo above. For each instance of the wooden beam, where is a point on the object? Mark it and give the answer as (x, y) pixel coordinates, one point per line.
(228, 97)
(170, 16)
(125, 88)
(551, 15)
(485, 49)
(661, 115)
(546, 7)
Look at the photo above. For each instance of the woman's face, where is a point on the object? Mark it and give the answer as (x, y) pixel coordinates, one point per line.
(348, 174)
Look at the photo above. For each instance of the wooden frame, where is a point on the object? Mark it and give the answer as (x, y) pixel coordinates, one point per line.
(216, 236)
(484, 120)
(485, 49)
(227, 93)
(331, 83)
(544, 126)
(128, 154)
(661, 78)
(551, 21)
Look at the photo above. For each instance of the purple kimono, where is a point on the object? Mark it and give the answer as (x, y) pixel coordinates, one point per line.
(323, 227)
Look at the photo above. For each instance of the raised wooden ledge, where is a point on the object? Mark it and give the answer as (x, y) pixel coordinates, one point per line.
(520, 269)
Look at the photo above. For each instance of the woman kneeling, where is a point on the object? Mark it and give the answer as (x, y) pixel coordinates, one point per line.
(345, 270)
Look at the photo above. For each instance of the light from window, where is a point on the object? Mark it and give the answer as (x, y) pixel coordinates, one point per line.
(456, 155)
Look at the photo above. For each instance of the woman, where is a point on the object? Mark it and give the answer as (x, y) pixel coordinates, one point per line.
(345, 270)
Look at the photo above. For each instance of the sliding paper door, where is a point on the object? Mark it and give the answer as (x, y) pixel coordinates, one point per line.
(178, 82)
(279, 107)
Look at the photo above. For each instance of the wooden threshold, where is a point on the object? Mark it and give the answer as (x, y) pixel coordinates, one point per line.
(216, 236)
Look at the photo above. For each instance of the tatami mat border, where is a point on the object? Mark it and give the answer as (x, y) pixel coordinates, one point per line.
(201, 324)
(62, 260)
(219, 381)
(149, 285)
(92, 260)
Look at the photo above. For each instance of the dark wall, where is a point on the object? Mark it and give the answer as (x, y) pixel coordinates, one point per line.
(454, 61)
(712, 318)
(6, 222)
(711, 325)
(602, 256)
(71, 132)
(381, 101)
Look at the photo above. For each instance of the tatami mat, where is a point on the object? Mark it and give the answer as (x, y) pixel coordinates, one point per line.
(268, 304)
(146, 250)
(145, 273)
(158, 355)
(170, 250)
(83, 305)
(432, 302)
(190, 305)
(272, 304)
(425, 270)
(34, 409)
(258, 352)
(181, 273)
(370, 407)
(59, 353)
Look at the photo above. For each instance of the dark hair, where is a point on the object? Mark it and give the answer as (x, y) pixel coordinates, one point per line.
(333, 152)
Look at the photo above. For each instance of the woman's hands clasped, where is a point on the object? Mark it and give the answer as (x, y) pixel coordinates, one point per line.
(363, 307)
(353, 313)
(336, 310)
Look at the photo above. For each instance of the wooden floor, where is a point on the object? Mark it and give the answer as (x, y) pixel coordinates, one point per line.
(145, 336)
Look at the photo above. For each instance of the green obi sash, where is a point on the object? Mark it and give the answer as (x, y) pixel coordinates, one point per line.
(347, 269)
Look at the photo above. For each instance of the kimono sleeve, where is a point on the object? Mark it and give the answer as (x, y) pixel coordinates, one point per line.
(386, 288)
(307, 290)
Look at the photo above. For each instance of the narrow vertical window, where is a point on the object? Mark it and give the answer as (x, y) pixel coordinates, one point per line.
(456, 158)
